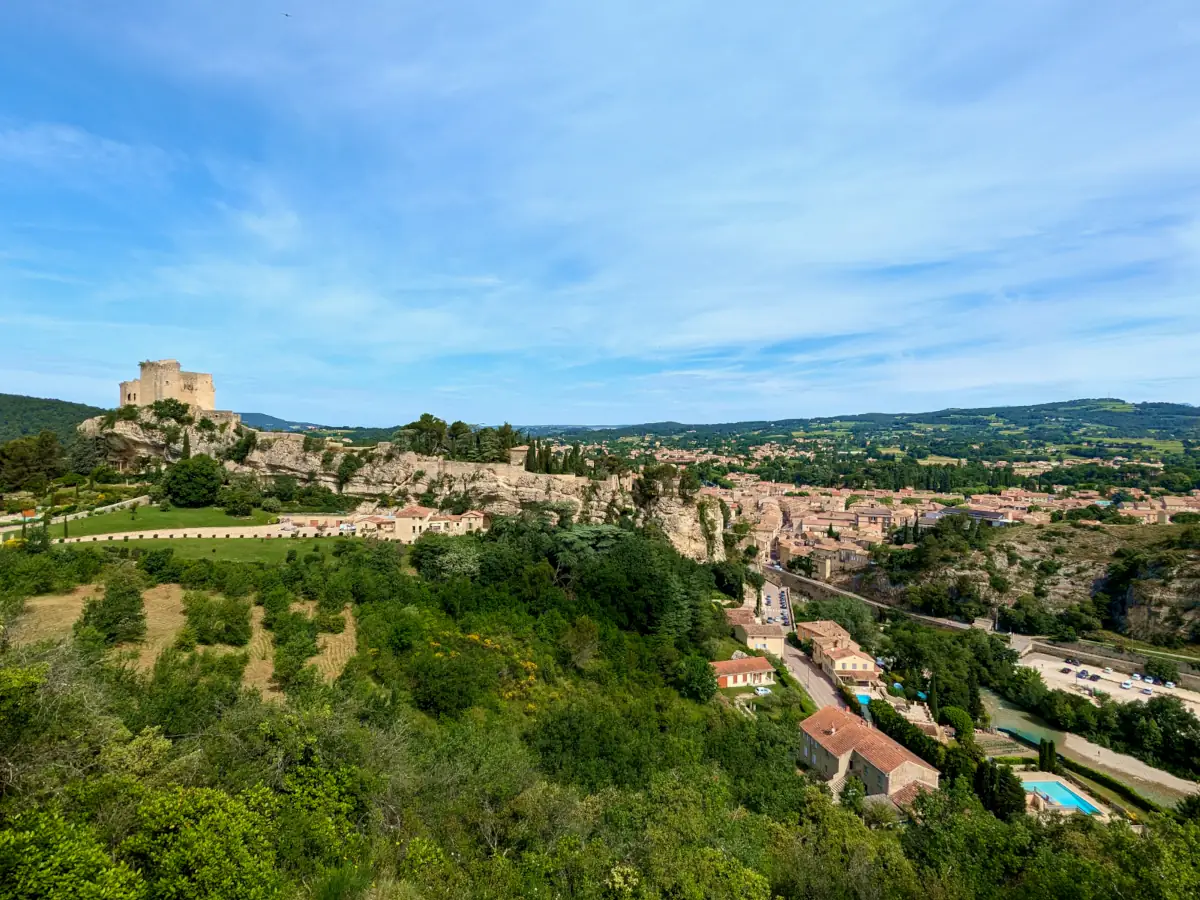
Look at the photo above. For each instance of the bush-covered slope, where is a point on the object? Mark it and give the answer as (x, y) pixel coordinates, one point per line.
(20, 416)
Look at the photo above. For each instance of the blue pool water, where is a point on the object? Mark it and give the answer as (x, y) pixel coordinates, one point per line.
(1060, 794)
(864, 699)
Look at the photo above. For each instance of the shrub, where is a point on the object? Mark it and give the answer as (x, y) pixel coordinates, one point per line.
(44, 856)
(217, 620)
(119, 613)
(195, 843)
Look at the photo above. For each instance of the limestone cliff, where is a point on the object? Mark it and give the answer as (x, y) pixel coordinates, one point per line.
(694, 528)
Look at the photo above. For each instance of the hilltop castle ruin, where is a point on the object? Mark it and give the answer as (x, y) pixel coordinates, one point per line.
(163, 380)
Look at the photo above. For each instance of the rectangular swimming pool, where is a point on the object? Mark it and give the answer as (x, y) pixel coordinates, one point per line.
(864, 699)
(1061, 794)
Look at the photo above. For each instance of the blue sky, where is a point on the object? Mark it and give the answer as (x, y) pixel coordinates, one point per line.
(612, 212)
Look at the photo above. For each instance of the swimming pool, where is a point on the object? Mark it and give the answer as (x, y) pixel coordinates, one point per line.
(864, 699)
(1061, 794)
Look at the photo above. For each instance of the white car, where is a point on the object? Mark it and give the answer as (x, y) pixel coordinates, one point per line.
(1137, 677)
(1170, 684)
(1108, 670)
(762, 691)
(1147, 691)
(1126, 684)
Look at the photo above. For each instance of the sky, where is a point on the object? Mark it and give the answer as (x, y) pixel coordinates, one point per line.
(602, 213)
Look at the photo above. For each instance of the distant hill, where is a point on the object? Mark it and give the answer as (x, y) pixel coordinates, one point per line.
(1105, 417)
(21, 416)
(263, 422)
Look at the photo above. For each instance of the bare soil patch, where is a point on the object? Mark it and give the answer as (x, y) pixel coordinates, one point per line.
(261, 650)
(336, 649)
(53, 615)
(164, 621)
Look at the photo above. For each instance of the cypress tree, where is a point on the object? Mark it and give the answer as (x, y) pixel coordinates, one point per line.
(186, 452)
(531, 456)
(1009, 794)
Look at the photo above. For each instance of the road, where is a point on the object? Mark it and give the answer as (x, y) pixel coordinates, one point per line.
(790, 578)
(6, 530)
(1051, 672)
(777, 601)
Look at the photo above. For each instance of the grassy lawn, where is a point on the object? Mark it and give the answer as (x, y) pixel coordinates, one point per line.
(151, 518)
(272, 550)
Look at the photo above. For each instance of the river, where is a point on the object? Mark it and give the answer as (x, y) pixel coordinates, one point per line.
(1153, 784)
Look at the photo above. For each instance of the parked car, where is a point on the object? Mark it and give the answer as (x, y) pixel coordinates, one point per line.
(1147, 691)
(1093, 677)
(1082, 673)
(1147, 679)
(1126, 684)
(762, 691)
(1170, 684)
(1066, 670)
(1136, 677)
(1108, 670)
(1072, 661)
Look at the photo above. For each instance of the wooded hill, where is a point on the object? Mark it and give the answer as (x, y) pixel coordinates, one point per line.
(21, 416)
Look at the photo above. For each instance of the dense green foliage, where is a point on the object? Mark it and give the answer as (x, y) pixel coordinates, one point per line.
(516, 724)
(31, 463)
(24, 416)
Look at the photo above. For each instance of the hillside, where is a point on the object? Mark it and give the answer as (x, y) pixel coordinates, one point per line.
(1138, 582)
(1105, 417)
(21, 416)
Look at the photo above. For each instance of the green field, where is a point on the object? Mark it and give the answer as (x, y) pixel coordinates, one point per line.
(267, 550)
(151, 518)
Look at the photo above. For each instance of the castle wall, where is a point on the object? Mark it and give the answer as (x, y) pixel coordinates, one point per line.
(164, 380)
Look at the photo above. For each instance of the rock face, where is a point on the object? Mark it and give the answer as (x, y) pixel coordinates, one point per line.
(694, 528)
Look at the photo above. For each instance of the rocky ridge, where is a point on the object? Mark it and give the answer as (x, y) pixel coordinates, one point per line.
(385, 476)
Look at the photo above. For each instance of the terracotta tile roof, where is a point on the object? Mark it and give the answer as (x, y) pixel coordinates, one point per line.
(415, 512)
(846, 652)
(762, 630)
(904, 797)
(742, 666)
(739, 616)
(841, 732)
(825, 628)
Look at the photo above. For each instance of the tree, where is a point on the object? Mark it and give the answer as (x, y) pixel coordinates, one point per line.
(43, 856)
(1161, 669)
(194, 843)
(186, 451)
(853, 794)
(194, 482)
(695, 678)
(118, 614)
(1010, 795)
(1047, 756)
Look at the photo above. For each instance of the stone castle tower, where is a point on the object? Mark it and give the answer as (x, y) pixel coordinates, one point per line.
(163, 380)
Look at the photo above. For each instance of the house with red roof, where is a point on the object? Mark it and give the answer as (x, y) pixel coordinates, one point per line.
(836, 744)
(750, 671)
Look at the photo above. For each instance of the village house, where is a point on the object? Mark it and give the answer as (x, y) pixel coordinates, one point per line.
(837, 654)
(768, 638)
(837, 744)
(751, 671)
(846, 665)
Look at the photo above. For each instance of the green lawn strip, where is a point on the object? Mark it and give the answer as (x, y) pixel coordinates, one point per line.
(151, 518)
(249, 549)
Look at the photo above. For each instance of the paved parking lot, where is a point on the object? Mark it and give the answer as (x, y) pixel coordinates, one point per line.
(1051, 670)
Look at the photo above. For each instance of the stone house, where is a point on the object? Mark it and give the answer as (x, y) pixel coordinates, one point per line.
(836, 744)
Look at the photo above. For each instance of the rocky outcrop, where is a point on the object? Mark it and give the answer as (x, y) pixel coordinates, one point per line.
(384, 474)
